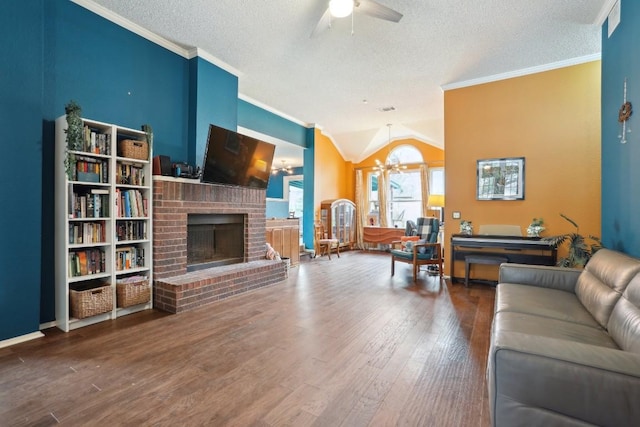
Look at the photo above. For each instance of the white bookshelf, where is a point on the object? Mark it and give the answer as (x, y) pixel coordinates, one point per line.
(106, 237)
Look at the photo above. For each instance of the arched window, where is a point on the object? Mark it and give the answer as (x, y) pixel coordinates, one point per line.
(405, 154)
(405, 188)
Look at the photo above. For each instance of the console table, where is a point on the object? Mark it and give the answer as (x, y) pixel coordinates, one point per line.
(522, 250)
(382, 235)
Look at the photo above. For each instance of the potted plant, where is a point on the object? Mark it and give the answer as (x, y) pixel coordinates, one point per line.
(536, 227)
(466, 227)
(580, 248)
(75, 136)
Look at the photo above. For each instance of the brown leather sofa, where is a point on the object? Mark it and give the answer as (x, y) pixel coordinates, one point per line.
(565, 344)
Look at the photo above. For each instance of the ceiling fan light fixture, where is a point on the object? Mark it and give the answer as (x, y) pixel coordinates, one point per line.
(341, 8)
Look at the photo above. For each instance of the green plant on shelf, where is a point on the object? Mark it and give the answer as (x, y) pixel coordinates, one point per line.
(74, 133)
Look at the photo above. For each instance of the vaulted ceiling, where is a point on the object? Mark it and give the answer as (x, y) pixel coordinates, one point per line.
(342, 82)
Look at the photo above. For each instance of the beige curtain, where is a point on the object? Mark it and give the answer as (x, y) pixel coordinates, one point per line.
(424, 180)
(383, 190)
(361, 209)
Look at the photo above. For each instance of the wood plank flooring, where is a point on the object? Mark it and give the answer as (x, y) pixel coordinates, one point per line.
(339, 343)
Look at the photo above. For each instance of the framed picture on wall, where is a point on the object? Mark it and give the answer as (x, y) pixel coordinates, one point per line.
(500, 179)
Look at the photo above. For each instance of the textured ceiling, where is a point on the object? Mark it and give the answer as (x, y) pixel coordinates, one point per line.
(324, 80)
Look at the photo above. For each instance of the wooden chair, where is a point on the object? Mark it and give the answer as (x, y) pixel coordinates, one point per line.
(424, 251)
(324, 244)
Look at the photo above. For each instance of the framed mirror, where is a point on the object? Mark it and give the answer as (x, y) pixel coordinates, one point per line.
(500, 179)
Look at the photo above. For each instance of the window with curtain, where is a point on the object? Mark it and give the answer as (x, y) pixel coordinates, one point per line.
(436, 181)
(405, 193)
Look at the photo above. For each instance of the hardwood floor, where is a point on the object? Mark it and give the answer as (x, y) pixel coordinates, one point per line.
(340, 342)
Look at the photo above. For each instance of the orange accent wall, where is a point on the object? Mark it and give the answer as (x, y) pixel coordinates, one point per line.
(333, 175)
(553, 120)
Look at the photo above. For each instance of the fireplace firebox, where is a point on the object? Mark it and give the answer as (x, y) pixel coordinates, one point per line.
(214, 240)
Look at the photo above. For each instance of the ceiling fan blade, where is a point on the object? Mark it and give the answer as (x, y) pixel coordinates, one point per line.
(323, 24)
(377, 10)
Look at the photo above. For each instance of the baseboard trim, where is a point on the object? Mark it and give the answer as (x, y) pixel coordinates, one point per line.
(20, 339)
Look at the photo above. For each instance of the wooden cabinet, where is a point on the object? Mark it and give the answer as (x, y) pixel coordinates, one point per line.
(284, 236)
(103, 218)
(382, 235)
(338, 218)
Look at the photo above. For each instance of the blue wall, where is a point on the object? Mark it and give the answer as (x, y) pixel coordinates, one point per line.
(214, 97)
(620, 172)
(116, 76)
(255, 118)
(21, 103)
(275, 188)
(55, 51)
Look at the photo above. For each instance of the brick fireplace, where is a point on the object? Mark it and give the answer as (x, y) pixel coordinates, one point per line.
(175, 288)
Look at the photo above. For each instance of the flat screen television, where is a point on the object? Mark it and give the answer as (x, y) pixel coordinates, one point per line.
(235, 159)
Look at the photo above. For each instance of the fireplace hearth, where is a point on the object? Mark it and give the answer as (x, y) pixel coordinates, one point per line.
(180, 204)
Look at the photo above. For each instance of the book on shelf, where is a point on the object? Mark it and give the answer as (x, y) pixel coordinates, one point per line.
(128, 257)
(96, 142)
(86, 262)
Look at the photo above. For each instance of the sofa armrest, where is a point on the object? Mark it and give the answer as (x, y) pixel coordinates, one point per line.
(547, 378)
(543, 276)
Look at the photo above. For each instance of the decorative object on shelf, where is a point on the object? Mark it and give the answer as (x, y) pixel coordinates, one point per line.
(500, 179)
(148, 130)
(626, 110)
(466, 227)
(536, 227)
(74, 133)
(579, 250)
(134, 149)
(390, 165)
(284, 168)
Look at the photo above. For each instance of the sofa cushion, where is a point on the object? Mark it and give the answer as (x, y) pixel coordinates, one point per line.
(543, 302)
(552, 328)
(624, 323)
(603, 281)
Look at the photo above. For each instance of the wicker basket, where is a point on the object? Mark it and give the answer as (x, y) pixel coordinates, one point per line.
(89, 302)
(133, 293)
(134, 149)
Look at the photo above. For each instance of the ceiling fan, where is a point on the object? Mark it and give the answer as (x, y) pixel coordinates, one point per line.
(344, 8)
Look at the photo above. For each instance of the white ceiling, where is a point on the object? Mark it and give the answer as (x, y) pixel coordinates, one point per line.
(324, 80)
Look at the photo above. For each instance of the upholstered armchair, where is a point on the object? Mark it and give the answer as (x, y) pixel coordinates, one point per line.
(421, 249)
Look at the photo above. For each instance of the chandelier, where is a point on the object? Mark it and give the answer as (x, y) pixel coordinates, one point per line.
(380, 167)
(284, 168)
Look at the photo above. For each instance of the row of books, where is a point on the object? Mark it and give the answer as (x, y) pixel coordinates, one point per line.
(86, 262)
(87, 232)
(94, 204)
(90, 169)
(97, 143)
(129, 257)
(130, 174)
(131, 204)
(131, 230)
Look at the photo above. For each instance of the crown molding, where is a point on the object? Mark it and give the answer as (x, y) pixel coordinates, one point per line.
(523, 72)
(131, 26)
(196, 51)
(604, 12)
(274, 111)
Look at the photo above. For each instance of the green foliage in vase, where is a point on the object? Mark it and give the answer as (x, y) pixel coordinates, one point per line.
(580, 248)
(537, 222)
(148, 130)
(74, 129)
(74, 133)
